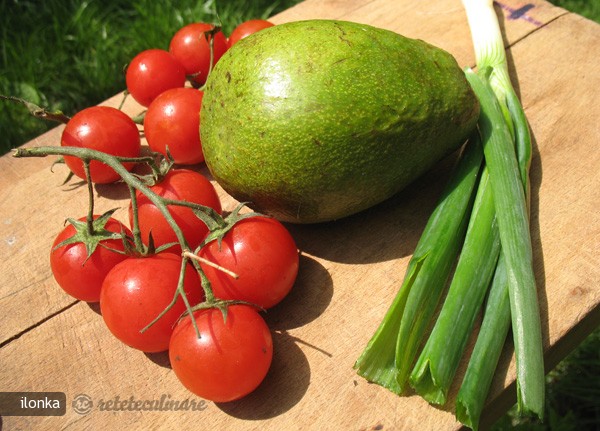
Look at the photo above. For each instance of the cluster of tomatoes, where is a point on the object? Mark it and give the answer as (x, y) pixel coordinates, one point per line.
(223, 350)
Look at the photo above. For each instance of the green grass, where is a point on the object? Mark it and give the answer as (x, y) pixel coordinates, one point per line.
(572, 394)
(69, 54)
(587, 8)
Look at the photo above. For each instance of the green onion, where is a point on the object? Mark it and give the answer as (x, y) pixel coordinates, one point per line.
(437, 364)
(482, 366)
(513, 224)
(435, 369)
(497, 316)
(425, 278)
(436, 254)
(489, 51)
(496, 321)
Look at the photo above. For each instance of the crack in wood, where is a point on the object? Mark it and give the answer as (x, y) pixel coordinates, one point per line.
(37, 324)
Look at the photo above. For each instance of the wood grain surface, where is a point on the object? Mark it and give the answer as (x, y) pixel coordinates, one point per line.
(350, 269)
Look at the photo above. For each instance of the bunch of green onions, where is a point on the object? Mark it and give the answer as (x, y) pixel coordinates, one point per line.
(479, 229)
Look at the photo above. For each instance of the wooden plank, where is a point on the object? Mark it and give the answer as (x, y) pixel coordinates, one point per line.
(350, 270)
(74, 353)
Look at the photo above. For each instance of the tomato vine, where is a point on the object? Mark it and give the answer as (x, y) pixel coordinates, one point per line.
(216, 223)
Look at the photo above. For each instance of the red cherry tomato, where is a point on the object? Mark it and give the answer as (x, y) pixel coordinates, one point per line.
(137, 290)
(190, 46)
(229, 360)
(173, 121)
(151, 72)
(180, 184)
(104, 129)
(247, 28)
(80, 276)
(262, 253)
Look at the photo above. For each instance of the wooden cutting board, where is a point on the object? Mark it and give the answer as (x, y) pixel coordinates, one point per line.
(350, 270)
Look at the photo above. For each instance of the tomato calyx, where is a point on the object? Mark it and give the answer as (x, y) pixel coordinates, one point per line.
(219, 226)
(92, 233)
(220, 304)
(159, 165)
(139, 249)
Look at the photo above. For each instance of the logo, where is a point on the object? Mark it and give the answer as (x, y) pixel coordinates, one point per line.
(82, 404)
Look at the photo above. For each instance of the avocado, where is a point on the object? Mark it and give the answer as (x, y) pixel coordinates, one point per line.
(314, 120)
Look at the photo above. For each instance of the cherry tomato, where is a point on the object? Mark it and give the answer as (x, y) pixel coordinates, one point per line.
(190, 46)
(105, 129)
(173, 121)
(151, 72)
(180, 184)
(247, 28)
(262, 253)
(80, 276)
(137, 290)
(229, 360)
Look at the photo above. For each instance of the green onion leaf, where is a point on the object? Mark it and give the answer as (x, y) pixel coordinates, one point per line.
(513, 223)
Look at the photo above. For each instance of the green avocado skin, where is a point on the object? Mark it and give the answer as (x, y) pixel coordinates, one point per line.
(311, 121)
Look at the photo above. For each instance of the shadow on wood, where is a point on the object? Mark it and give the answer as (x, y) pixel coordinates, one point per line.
(308, 299)
(385, 232)
(283, 387)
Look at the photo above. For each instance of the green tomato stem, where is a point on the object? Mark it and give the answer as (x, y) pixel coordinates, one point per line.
(126, 176)
(90, 190)
(135, 228)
